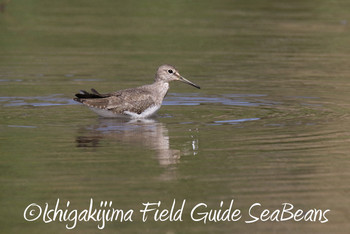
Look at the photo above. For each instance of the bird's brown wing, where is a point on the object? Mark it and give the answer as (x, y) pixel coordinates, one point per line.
(132, 100)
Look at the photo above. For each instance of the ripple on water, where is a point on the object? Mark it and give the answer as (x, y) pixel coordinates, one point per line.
(234, 121)
(20, 126)
(52, 100)
(226, 99)
(8, 80)
(177, 99)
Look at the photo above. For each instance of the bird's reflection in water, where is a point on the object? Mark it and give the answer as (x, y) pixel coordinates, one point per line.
(146, 132)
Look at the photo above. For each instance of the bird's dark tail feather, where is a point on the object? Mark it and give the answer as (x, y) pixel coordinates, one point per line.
(86, 95)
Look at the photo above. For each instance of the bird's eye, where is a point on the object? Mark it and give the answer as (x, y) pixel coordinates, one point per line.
(170, 71)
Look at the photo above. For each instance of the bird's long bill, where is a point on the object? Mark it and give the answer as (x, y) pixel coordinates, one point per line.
(188, 82)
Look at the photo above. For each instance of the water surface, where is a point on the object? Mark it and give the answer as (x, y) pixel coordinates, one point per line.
(270, 124)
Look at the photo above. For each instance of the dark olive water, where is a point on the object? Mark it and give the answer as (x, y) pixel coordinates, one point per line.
(270, 124)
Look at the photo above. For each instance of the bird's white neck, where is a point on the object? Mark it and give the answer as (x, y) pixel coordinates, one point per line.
(159, 89)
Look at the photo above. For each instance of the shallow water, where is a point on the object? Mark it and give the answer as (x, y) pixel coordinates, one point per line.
(270, 124)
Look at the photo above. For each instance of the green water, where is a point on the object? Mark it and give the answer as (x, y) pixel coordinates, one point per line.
(270, 124)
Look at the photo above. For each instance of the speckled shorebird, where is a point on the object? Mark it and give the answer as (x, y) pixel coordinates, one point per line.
(140, 102)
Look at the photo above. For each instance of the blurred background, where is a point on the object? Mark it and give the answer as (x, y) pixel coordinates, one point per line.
(270, 124)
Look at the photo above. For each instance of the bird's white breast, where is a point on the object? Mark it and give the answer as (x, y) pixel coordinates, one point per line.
(145, 114)
(110, 114)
